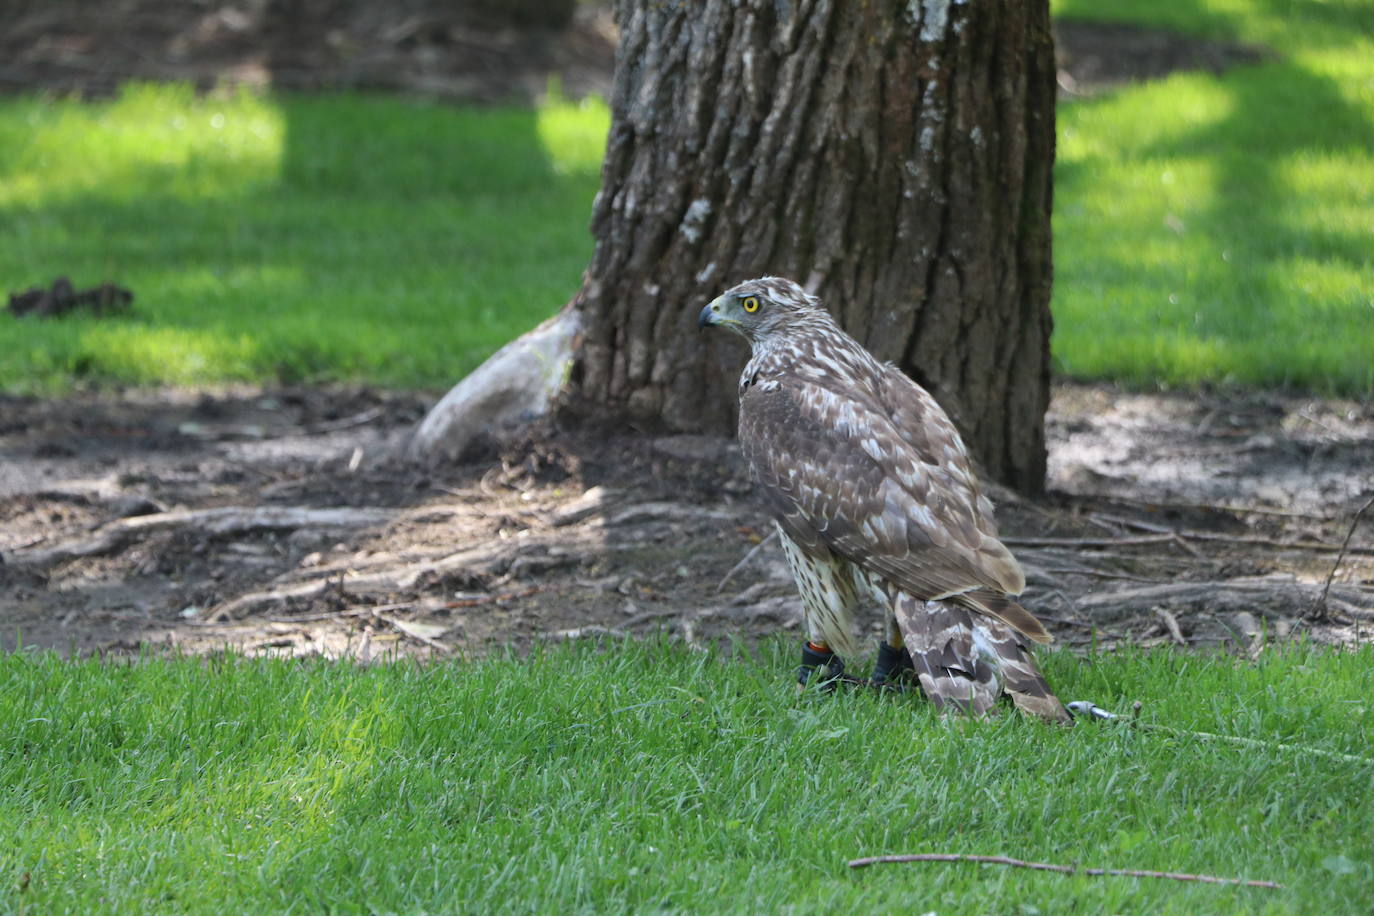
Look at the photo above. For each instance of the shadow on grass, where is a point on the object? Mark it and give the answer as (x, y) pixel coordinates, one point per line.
(1261, 282)
(373, 239)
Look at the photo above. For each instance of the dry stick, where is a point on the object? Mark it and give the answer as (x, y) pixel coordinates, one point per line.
(1088, 542)
(357, 419)
(364, 610)
(400, 627)
(1221, 507)
(1061, 869)
(1171, 624)
(219, 520)
(1255, 742)
(1134, 722)
(1319, 609)
(1097, 573)
(1094, 627)
(1171, 538)
(747, 557)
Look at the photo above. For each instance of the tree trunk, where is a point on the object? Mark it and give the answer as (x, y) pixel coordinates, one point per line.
(894, 158)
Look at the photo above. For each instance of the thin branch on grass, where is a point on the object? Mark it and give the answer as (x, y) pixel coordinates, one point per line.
(364, 610)
(1319, 609)
(1100, 574)
(496, 598)
(1083, 708)
(1061, 869)
(646, 616)
(1256, 742)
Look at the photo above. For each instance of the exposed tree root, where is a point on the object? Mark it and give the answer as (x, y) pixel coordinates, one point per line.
(1272, 596)
(114, 535)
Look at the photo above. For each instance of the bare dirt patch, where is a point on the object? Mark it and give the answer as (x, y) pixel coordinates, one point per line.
(277, 521)
(448, 50)
(476, 51)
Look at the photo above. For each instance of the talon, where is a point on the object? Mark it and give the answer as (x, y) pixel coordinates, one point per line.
(893, 666)
(815, 657)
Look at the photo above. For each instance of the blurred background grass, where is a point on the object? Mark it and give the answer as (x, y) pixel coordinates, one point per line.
(293, 238)
(1208, 229)
(1218, 229)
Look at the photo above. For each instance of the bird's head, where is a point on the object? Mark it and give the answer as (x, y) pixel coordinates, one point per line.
(759, 309)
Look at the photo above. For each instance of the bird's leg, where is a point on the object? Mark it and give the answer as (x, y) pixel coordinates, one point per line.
(817, 655)
(894, 661)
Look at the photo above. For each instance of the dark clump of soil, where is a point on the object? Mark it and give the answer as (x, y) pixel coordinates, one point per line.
(62, 298)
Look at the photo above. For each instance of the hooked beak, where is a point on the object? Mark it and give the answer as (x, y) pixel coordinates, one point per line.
(710, 315)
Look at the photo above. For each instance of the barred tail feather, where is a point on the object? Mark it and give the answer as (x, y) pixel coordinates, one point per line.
(1021, 677)
(965, 661)
(939, 637)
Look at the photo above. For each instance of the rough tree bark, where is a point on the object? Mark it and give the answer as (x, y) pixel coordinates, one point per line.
(893, 157)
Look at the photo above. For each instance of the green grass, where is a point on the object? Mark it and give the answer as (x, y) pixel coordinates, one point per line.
(1218, 230)
(290, 238)
(1207, 230)
(649, 778)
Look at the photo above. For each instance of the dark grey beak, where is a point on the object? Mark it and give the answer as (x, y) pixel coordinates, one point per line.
(707, 316)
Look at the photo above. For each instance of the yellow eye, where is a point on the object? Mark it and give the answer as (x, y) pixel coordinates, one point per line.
(751, 304)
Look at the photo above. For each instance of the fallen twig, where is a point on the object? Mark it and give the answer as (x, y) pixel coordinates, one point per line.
(1270, 595)
(1089, 542)
(588, 630)
(222, 520)
(1082, 708)
(1171, 624)
(1061, 869)
(1319, 609)
(498, 598)
(745, 562)
(1220, 507)
(357, 419)
(646, 616)
(1172, 537)
(364, 610)
(401, 627)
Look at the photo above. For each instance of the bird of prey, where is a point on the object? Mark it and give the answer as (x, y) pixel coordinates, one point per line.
(875, 500)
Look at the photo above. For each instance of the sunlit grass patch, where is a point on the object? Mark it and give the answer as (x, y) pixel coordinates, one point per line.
(1216, 229)
(290, 238)
(646, 776)
(1207, 229)
(151, 139)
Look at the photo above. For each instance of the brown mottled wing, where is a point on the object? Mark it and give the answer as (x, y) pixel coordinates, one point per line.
(838, 473)
(925, 427)
(965, 660)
